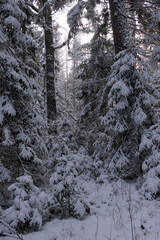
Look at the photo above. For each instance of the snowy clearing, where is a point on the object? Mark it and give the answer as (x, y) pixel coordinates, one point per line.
(118, 212)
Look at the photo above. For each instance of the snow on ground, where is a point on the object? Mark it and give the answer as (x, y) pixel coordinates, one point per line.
(118, 212)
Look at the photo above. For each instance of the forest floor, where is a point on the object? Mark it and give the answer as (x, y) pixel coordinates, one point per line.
(118, 212)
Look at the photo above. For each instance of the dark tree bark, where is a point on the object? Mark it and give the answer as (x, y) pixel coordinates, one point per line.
(119, 25)
(50, 75)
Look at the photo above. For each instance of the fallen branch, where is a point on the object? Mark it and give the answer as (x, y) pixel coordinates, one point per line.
(60, 46)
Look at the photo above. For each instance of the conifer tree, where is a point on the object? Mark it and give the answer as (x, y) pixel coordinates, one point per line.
(93, 71)
(129, 103)
(29, 207)
(22, 149)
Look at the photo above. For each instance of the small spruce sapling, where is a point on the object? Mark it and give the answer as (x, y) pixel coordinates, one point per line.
(67, 191)
(64, 181)
(30, 205)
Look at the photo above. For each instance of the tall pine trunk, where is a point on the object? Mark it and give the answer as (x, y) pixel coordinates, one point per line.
(50, 74)
(119, 25)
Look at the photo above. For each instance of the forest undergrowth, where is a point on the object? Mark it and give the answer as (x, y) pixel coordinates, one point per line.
(117, 211)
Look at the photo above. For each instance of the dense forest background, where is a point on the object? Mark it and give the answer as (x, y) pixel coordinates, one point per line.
(71, 110)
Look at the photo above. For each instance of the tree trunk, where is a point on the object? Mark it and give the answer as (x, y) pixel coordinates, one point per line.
(50, 74)
(119, 25)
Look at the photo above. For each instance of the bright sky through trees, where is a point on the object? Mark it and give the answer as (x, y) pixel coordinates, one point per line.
(61, 19)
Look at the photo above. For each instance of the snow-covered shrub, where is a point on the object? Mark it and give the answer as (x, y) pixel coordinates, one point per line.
(29, 205)
(99, 154)
(150, 147)
(63, 182)
(64, 144)
(66, 189)
(69, 163)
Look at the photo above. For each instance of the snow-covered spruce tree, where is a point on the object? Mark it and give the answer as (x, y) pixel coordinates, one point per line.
(129, 114)
(128, 100)
(90, 131)
(93, 70)
(20, 144)
(150, 143)
(69, 167)
(150, 148)
(29, 207)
